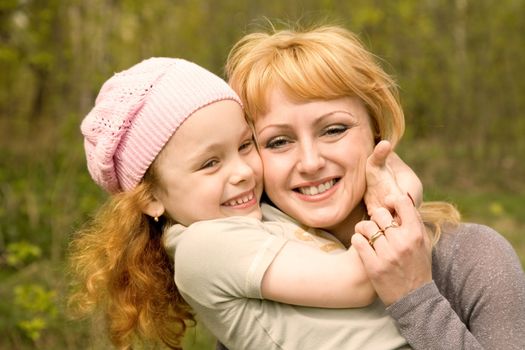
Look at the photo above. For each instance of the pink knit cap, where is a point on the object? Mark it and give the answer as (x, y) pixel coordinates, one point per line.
(136, 113)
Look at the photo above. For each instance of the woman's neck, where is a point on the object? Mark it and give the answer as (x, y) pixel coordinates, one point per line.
(344, 231)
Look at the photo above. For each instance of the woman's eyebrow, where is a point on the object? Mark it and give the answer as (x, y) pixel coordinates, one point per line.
(336, 111)
(280, 126)
(319, 120)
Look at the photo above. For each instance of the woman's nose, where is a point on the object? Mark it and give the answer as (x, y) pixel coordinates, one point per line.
(310, 159)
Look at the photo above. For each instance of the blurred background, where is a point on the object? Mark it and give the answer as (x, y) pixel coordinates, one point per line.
(459, 64)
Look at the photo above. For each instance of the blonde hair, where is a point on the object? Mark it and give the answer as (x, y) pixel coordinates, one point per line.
(119, 267)
(325, 62)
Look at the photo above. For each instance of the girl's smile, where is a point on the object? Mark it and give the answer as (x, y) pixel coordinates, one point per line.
(242, 201)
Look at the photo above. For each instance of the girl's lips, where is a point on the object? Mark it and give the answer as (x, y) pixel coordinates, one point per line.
(252, 202)
(244, 200)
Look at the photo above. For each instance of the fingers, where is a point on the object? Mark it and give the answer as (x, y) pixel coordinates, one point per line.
(362, 245)
(383, 218)
(410, 233)
(380, 153)
(404, 207)
(401, 205)
(363, 248)
(406, 179)
(385, 229)
(399, 259)
(379, 178)
(371, 232)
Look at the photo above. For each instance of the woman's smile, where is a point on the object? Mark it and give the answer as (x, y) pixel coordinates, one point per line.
(313, 191)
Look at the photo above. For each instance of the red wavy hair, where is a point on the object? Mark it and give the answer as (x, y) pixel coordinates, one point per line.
(119, 267)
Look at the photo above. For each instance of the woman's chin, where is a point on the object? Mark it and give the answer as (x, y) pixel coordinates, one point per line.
(321, 221)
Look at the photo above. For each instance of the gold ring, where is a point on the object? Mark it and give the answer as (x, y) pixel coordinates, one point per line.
(393, 224)
(375, 236)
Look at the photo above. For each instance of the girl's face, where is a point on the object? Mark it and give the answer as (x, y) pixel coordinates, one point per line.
(210, 167)
(314, 157)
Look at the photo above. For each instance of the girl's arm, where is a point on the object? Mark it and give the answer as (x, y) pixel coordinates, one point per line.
(238, 257)
(304, 275)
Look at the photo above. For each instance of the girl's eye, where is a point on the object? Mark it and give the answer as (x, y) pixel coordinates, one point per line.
(277, 142)
(209, 164)
(334, 130)
(247, 145)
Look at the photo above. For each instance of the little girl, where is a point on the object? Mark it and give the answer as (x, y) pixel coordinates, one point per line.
(167, 173)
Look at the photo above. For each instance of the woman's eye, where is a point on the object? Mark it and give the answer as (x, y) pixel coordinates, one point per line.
(277, 142)
(209, 164)
(335, 130)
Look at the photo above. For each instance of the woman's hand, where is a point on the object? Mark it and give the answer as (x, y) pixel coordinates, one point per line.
(396, 250)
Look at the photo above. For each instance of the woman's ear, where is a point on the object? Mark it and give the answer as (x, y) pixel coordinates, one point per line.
(154, 208)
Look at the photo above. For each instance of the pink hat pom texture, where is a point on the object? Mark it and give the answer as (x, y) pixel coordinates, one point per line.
(138, 110)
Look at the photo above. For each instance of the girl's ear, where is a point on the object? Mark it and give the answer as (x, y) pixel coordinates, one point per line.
(154, 208)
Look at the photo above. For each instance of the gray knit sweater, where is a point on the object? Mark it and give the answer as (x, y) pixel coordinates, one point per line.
(476, 299)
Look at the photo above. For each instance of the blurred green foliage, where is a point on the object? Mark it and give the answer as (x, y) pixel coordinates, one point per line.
(459, 64)
(18, 253)
(37, 305)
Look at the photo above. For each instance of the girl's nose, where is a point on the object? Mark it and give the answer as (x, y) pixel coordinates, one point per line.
(241, 171)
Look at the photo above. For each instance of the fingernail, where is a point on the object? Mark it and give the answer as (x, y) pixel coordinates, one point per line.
(412, 199)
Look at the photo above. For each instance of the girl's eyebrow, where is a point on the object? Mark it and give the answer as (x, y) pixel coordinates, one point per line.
(200, 151)
(198, 154)
(248, 131)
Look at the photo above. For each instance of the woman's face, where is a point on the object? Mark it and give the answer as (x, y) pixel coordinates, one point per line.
(314, 155)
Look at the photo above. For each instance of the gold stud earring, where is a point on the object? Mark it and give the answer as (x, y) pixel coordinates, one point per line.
(156, 219)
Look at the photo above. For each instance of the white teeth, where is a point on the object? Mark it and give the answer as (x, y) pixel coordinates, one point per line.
(313, 190)
(240, 200)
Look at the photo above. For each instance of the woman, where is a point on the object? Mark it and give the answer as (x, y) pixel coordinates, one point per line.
(307, 93)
